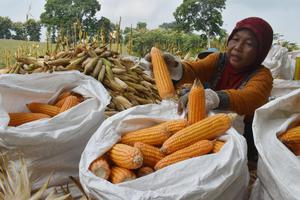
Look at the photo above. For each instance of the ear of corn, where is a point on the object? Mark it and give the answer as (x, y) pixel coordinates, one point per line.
(126, 156)
(173, 126)
(196, 103)
(17, 119)
(292, 135)
(199, 148)
(143, 171)
(208, 128)
(60, 102)
(161, 74)
(151, 154)
(218, 146)
(97, 69)
(43, 108)
(62, 96)
(154, 135)
(119, 175)
(100, 168)
(294, 147)
(79, 96)
(70, 102)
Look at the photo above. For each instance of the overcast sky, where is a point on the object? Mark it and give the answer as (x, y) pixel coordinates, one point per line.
(283, 15)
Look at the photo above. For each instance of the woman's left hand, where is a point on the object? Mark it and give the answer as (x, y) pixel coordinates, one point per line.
(212, 101)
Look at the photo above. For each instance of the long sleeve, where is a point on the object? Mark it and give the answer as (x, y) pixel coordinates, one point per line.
(252, 96)
(202, 69)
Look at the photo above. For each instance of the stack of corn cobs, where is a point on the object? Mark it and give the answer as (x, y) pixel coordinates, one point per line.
(291, 138)
(124, 79)
(144, 151)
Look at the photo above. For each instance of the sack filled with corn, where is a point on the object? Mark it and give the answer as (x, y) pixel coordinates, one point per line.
(131, 142)
(48, 118)
(277, 138)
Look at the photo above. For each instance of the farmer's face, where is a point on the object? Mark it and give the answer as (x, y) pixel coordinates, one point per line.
(242, 49)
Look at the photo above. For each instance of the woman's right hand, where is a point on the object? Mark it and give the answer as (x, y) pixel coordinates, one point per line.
(173, 63)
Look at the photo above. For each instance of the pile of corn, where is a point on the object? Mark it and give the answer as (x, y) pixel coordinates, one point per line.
(143, 151)
(63, 102)
(147, 150)
(124, 79)
(291, 138)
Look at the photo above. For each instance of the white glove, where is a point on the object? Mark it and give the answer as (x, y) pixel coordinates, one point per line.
(212, 100)
(173, 63)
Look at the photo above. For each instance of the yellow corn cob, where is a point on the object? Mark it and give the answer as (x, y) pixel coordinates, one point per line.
(208, 128)
(154, 135)
(151, 154)
(161, 75)
(175, 125)
(60, 102)
(143, 171)
(292, 135)
(218, 146)
(119, 175)
(126, 156)
(43, 108)
(294, 147)
(196, 103)
(197, 149)
(62, 96)
(17, 119)
(79, 96)
(100, 168)
(70, 102)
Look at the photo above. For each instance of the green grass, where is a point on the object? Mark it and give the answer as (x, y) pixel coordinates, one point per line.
(8, 48)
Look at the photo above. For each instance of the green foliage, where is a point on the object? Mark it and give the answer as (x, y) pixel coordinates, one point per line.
(178, 43)
(171, 25)
(62, 15)
(33, 29)
(20, 31)
(141, 25)
(5, 27)
(220, 41)
(200, 15)
(106, 26)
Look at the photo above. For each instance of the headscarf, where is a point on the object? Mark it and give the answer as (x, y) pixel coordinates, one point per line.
(261, 30)
(232, 78)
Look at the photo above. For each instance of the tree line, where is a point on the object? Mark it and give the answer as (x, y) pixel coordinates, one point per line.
(197, 24)
(29, 30)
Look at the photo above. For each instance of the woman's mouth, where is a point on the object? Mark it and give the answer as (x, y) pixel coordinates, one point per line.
(235, 58)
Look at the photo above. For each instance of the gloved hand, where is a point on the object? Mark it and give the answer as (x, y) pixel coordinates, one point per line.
(173, 63)
(212, 101)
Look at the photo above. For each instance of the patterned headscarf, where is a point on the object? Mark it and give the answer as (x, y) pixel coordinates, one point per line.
(262, 31)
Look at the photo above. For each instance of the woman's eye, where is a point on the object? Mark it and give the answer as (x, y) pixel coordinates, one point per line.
(249, 44)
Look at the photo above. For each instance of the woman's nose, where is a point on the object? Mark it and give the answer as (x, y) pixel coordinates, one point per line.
(238, 46)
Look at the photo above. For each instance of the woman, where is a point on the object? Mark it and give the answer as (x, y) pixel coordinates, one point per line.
(235, 80)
